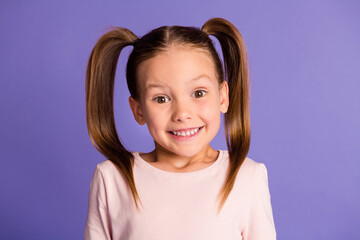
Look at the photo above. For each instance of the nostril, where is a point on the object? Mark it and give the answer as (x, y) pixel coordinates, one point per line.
(182, 117)
(181, 111)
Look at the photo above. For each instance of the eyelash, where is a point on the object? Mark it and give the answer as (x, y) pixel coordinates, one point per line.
(156, 99)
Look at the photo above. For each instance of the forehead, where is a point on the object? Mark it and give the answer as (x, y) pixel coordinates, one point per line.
(176, 63)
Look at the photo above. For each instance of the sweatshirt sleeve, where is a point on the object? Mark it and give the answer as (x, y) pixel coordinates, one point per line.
(97, 223)
(260, 224)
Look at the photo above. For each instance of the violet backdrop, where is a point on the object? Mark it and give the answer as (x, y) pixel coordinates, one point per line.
(305, 114)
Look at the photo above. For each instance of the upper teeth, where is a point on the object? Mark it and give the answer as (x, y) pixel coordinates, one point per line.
(185, 133)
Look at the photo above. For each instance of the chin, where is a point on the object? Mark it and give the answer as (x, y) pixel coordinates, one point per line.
(183, 149)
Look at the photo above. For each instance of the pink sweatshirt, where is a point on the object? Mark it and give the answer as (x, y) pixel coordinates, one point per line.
(180, 206)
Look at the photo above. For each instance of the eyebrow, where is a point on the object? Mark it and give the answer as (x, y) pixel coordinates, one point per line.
(155, 85)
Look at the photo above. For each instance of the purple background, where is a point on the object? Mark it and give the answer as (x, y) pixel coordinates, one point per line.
(305, 114)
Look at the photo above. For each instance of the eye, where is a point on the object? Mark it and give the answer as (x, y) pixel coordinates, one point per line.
(199, 93)
(161, 99)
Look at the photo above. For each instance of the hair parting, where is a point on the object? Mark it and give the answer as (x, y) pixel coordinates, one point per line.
(100, 86)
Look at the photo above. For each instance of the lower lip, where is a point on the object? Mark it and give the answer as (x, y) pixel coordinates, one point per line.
(186, 138)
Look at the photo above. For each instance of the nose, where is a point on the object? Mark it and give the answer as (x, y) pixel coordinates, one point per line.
(182, 111)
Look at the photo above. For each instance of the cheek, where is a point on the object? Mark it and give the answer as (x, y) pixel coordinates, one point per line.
(154, 117)
(153, 124)
(211, 111)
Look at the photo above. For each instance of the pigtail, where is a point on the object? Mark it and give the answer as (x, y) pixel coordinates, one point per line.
(99, 89)
(237, 118)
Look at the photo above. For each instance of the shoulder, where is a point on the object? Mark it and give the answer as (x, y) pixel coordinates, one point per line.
(260, 222)
(254, 167)
(109, 173)
(257, 177)
(251, 168)
(106, 166)
(251, 173)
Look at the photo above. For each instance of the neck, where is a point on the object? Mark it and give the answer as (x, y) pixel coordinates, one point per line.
(170, 161)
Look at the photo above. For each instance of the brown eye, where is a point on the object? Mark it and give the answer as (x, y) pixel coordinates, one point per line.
(161, 99)
(199, 93)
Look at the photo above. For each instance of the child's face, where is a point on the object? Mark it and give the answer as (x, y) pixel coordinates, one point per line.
(180, 100)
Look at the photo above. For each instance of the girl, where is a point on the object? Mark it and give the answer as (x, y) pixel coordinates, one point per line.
(186, 189)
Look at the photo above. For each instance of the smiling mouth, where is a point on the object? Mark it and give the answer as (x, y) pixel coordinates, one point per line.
(186, 133)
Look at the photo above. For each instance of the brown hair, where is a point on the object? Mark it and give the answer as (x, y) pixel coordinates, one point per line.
(100, 85)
